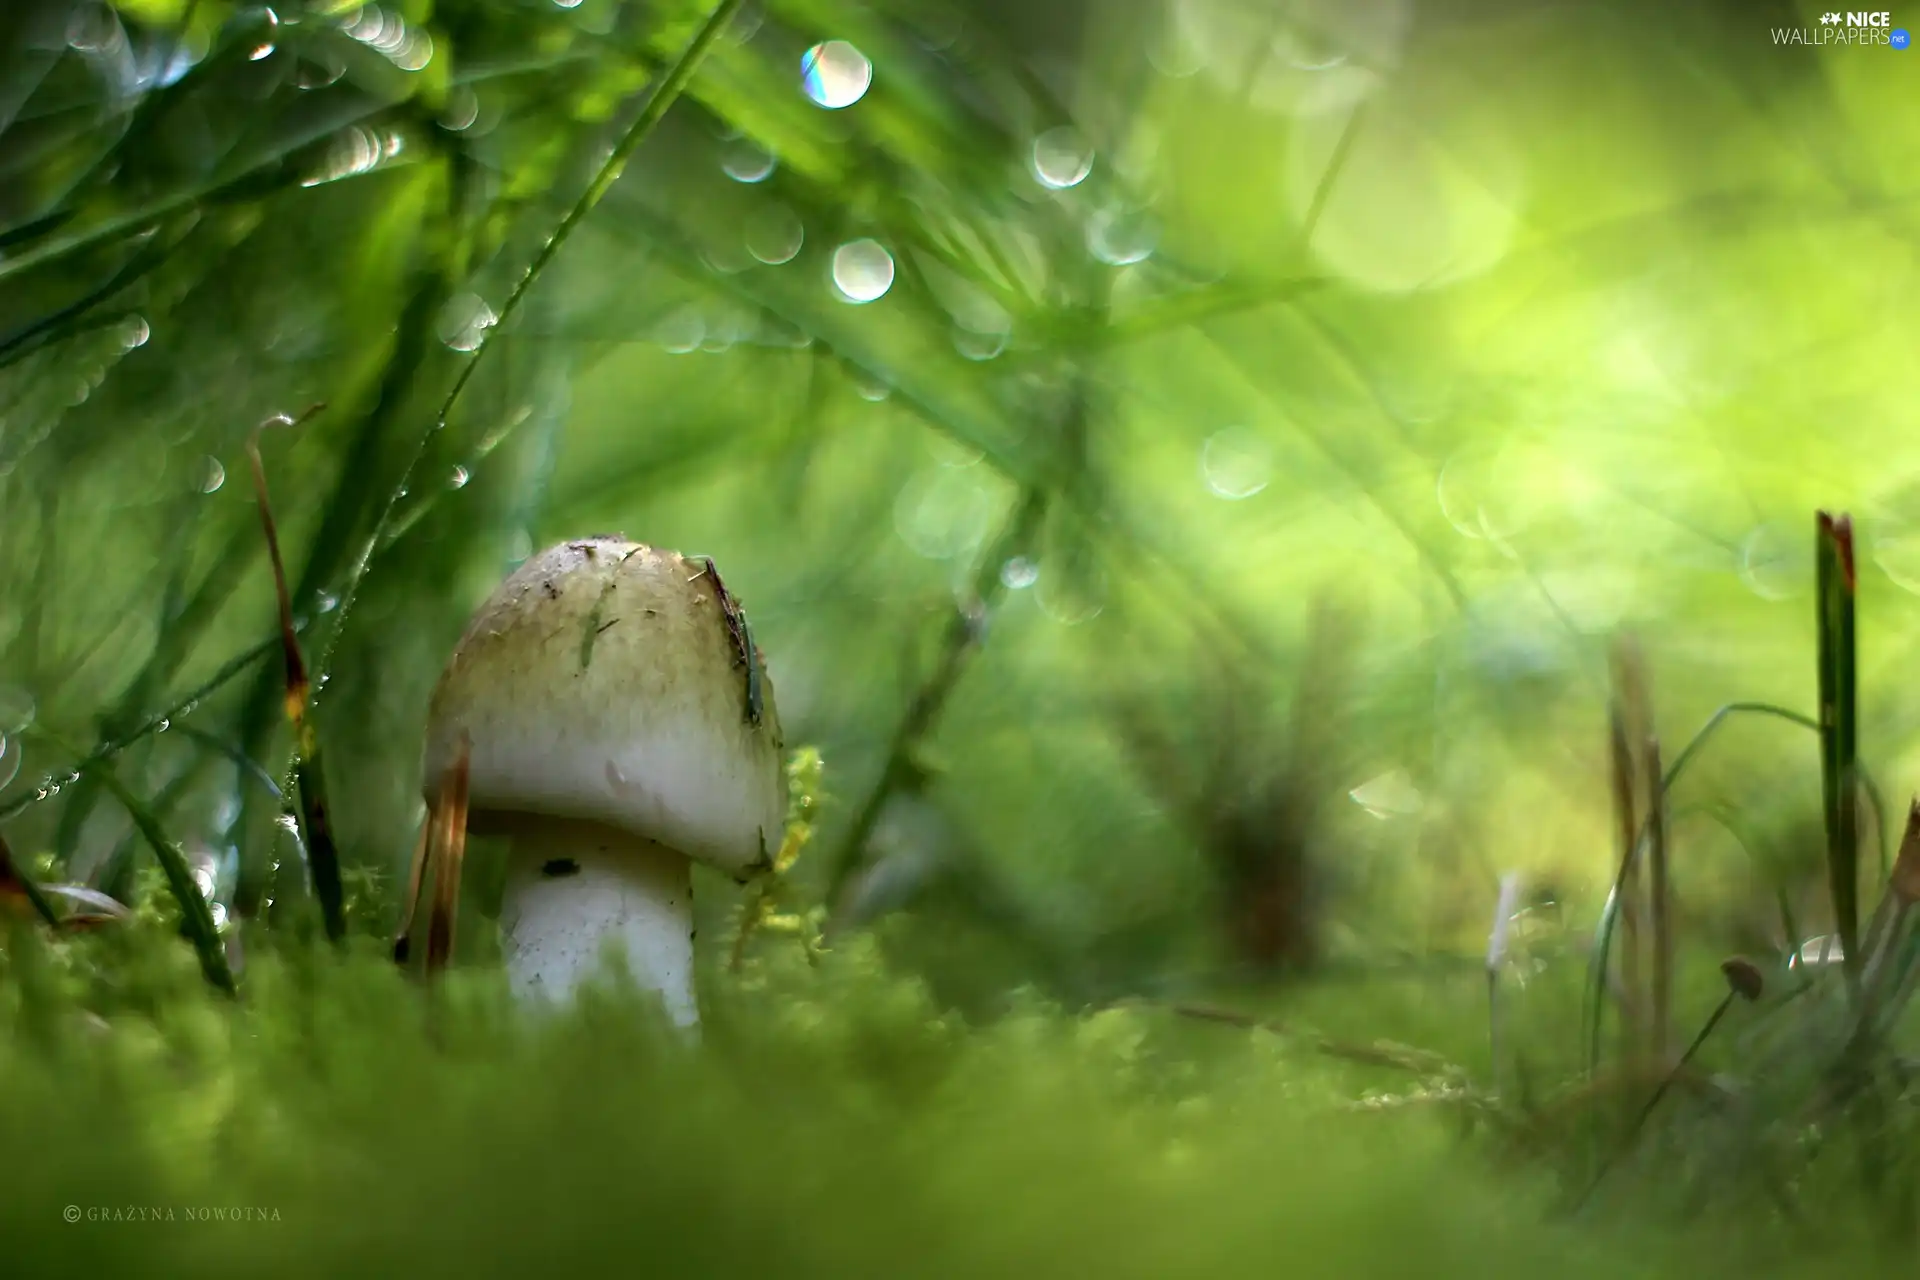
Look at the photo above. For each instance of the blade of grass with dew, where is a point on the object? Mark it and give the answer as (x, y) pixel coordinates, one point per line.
(323, 859)
(345, 510)
(227, 670)
(195, 915)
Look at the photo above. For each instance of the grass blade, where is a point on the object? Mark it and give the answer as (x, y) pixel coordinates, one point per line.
(1598, 968)
(196, 917)
(1839, 729)
(323, 859)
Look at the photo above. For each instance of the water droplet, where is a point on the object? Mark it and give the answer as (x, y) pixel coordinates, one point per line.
(1073, 598)
(1120, 237)
(462, 109)
(319, 67)
(745, 160)
(218, 911)
(862, 271)
(10, 757)
(1236, 463)
(774, 234)
(520, 547)
(134, 332)
(464, 321)
(93, 29)
(1776, 562)
(459, 478)
(261, 52)
(1307, 51)
(212, 475)
(1171, 53)
(1894, 544)
(16, 709)
(328, 602)
(1062, 158)
(681, 332)
(978, 346)
(1817, 953)
(1389, 795)
(868, 387)
(943, 513)
(1019, 573)
(162, 725)
(835, 74)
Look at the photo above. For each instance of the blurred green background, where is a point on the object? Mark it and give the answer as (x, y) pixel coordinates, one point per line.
(1291, 398)
(1306, 392)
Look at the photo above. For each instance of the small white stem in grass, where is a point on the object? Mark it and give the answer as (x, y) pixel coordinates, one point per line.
(574, 889)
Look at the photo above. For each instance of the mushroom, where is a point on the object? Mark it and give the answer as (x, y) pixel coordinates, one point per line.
(620, 728)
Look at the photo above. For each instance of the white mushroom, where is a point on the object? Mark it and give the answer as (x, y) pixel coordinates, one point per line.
(621, 728)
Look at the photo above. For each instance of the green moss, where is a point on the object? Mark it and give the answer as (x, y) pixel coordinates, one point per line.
(830, 1121)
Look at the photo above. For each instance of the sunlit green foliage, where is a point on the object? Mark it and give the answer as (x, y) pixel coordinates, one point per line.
(1174, 455)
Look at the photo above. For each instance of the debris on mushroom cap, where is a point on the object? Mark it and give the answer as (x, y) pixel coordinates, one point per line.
(615, 682)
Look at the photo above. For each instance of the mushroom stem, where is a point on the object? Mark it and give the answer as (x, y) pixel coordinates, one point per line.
(574, 888)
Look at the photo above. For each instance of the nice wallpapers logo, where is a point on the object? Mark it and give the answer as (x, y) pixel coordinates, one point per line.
(1859, 30)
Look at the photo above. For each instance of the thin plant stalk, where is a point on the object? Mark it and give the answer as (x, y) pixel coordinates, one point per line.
(1839, 729)
(1599, 967)
(323, 858)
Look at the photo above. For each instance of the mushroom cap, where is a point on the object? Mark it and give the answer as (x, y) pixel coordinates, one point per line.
(610, 681)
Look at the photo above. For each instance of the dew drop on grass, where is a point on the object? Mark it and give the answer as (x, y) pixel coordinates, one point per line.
(978, 346)
(681, 332)
(1062, 158)
(134, 332)
(862, 271)
(1071, 599)
(462, 109)
(745, 160)
(835, 74)
(774, 234)
(1019, 573)
(318, 68)
(943, 513)
(9, 761)
(1236, 463)
(464, 322)
(1121, 237)
(212, 475)
(1894, 545)
(868, 387)
(459, 478)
